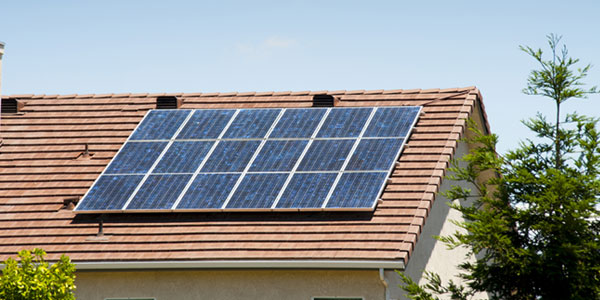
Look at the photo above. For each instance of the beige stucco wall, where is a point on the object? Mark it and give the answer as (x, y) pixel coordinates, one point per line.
(229, 284)
(429, 253)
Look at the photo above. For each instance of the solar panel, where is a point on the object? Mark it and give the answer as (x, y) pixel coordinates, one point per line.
(346, 122)
(357, 190)
(206, 124)
(110, 192)
(251, 123)
(278, 155)
(257, 191)
(230, 156)
(136, 157)
(298, 123)
(159, 192)
(326, 155)
(371, 154)
(392, 121)
(253, 159)
(208, 191)
(159, 124)
(307, 190)
(183, 157)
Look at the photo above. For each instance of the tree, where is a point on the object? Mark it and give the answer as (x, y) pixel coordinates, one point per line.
(534, 224)
(35, 279)
(557, 81)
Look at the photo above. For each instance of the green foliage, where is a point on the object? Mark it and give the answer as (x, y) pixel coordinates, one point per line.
(35, 279)
(534, 225)
(434, 286)
(556, 80)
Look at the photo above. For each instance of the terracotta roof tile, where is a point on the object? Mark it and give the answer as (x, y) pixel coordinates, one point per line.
(39, 169)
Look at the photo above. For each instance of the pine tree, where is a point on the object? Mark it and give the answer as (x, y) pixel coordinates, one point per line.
(534, 225)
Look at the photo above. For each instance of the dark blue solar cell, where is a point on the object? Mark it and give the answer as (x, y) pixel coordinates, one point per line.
(208, 191)
(278, 155)
(160, 125)
(136, 157)
(344, 122)
(230, 156)
(183, 157)
(110, 192)
(392, 121)
(307, 190)
(257, 191)
(326, 155)
(206, 124)
(375, 154)
(357, 190)
(251, 123)
(298, 123)
(159, 192)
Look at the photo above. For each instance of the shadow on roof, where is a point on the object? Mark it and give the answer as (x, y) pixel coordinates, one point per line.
(223, 217)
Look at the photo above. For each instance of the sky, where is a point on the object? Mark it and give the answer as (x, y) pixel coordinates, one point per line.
(68, 47)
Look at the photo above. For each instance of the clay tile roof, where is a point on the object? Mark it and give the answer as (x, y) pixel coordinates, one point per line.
(340, 92)
(138, 95)
(317, 92)
(41, 166)
(21, 96)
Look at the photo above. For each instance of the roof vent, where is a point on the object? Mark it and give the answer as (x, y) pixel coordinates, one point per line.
(167, 102)
(11, 106)
(323, 101)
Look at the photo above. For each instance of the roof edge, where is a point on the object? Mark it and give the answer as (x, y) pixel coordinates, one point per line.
(240, 264)
(243, 94)
(481, 107)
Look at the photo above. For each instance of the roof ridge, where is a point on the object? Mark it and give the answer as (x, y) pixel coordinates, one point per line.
(243, 94)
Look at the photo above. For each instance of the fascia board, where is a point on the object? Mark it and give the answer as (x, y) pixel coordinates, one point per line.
(241, 264)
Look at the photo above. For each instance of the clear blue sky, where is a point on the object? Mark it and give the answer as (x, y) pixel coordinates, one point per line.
(64, 47)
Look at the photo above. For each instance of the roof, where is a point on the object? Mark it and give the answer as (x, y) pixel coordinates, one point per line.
(42, 163)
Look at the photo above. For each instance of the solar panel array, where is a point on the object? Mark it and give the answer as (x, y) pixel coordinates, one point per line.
(253, 159)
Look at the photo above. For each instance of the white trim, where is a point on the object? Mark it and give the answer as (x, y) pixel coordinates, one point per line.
(131, 298)
(337, 297)
(242, 264)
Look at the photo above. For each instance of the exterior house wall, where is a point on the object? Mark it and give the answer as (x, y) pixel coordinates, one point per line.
(430, 254)
(229, 284)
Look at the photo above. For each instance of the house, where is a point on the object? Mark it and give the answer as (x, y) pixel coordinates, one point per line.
(55, 146)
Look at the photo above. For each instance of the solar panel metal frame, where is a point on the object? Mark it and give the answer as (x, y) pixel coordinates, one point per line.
(264, 139)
